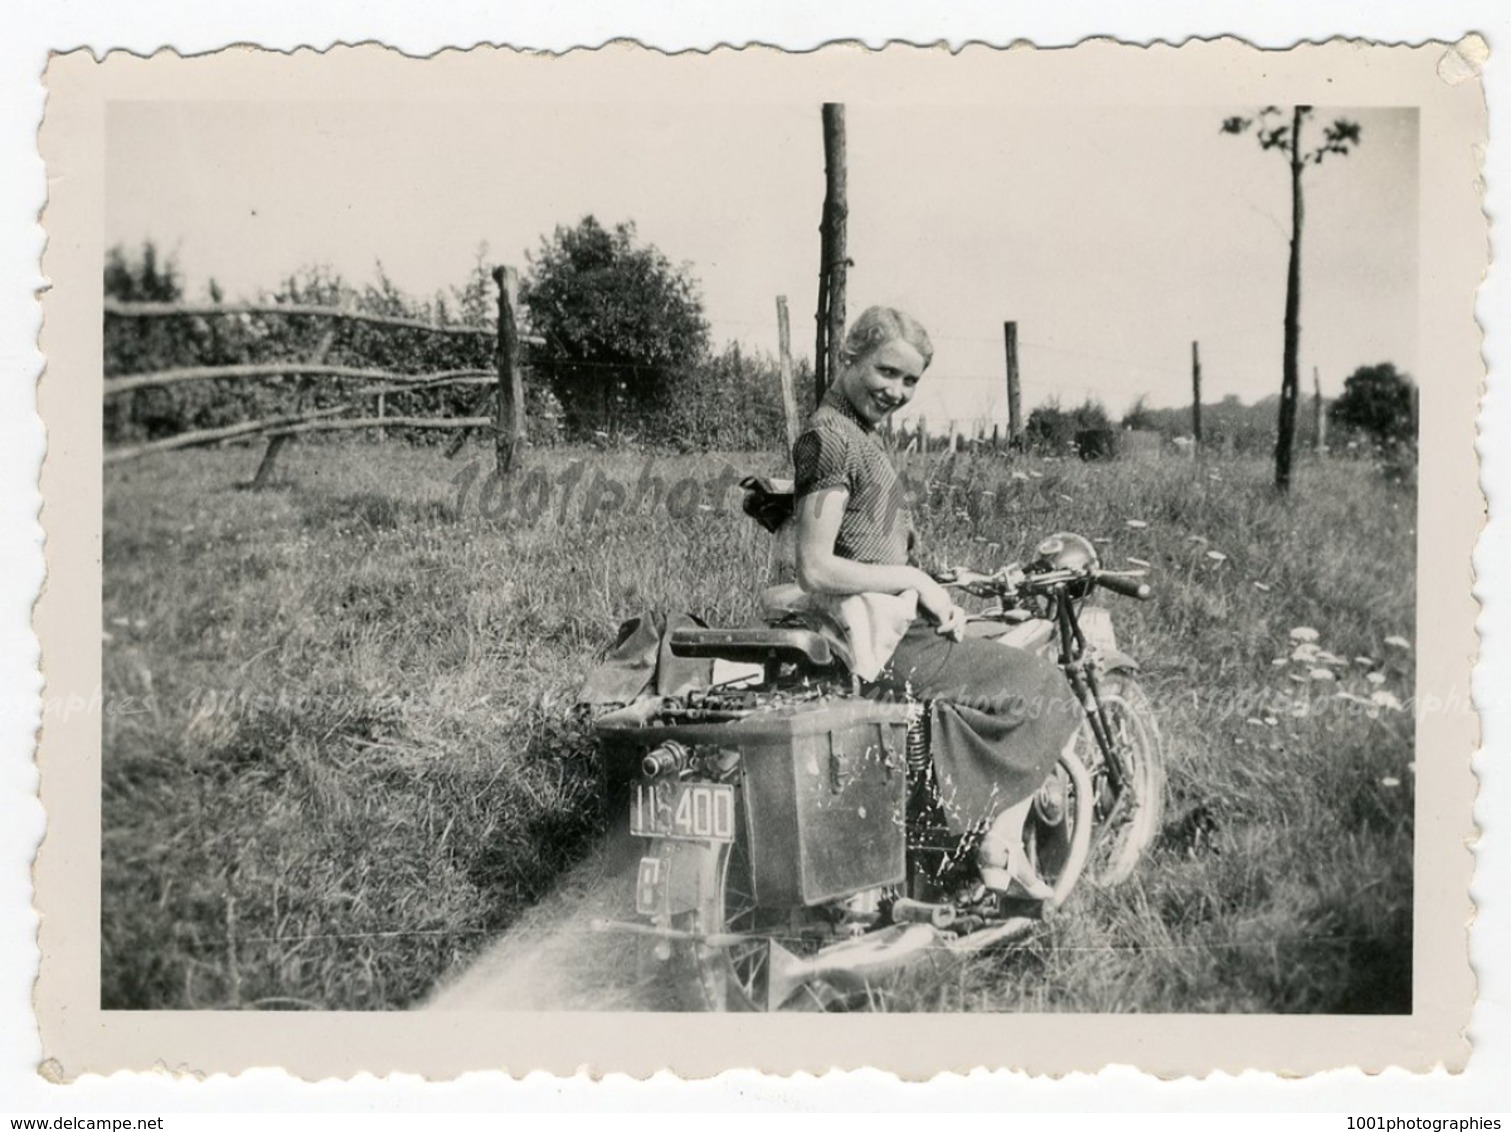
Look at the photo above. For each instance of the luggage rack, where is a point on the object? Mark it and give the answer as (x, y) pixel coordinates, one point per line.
(727, 705)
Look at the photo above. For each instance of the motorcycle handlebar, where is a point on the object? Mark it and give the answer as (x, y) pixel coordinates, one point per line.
(1128, 587)
(1010, 580)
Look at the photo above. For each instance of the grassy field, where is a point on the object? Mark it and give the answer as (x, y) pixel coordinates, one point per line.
(339, 755)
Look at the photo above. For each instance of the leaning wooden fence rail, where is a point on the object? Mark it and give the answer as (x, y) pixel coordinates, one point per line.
(119, 309)
(507, 421)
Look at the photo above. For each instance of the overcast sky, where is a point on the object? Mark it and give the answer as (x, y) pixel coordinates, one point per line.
(1114, 236)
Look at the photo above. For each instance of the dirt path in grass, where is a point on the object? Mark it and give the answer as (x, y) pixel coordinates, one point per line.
(553, 960)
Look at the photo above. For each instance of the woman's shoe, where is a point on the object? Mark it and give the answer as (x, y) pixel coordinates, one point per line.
(1002, 860)
(1017, 879)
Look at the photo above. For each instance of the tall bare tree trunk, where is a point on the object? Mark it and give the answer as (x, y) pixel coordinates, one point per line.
(1290, 382)
(832, 255)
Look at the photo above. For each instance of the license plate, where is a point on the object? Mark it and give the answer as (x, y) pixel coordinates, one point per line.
(650, 893)
(685, 811)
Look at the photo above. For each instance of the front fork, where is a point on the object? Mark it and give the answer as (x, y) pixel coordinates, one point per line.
(1081, 671)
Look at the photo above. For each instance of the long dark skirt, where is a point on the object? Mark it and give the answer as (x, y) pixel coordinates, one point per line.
(1000, 717)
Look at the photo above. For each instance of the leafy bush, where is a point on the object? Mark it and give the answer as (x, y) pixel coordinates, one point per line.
(1051, 430)
(623, 326)
(1377, 404)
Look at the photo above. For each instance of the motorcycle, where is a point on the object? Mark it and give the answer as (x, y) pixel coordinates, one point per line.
(795, 850)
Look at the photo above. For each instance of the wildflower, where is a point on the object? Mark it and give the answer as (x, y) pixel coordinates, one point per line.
(1136, 524)
(1398, 642)
(1364, 661)
(1067, 498)
(1217, 556)
(1306, 653)
(1271, 721)
(1304, 633)
(1138, 561)
(1322, 674)
(1261, 587)
(1196, 539)
(1280, 661)
(1386, 700)
(1376, 677)
(1020, 475)
(1255, 722)
(1390, 781)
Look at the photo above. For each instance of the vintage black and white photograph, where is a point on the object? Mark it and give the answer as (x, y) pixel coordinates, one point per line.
(774, 549)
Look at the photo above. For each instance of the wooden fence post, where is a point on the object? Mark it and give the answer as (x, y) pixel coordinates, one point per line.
(784, 371)
(269, 461)
(1014, 389)
(1196, 393)
(509, 424)
(832, 256)
(1319, 418)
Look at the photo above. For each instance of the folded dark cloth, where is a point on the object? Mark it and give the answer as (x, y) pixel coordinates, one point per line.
(640, 661)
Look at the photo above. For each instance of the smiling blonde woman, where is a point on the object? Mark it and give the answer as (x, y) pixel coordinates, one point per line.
(1000, 716)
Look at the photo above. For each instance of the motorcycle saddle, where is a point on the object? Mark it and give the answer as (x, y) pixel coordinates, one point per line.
(754, 645)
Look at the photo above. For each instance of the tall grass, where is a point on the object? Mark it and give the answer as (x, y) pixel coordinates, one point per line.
(339, 755)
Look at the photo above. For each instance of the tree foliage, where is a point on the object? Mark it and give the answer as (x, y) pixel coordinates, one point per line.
(622, 325)
(1377, 402)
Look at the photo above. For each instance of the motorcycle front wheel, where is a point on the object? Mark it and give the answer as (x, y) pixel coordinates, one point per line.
(1127, 820)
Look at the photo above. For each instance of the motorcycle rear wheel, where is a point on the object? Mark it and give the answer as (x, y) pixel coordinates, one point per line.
(1118, 846)
(735, 978)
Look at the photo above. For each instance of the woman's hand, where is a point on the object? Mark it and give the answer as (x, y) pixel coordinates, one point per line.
(954, 627)
(938, 604)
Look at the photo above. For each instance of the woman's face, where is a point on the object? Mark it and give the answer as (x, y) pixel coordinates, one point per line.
(882, 381)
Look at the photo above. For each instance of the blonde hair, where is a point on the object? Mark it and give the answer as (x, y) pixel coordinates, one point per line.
(877, 326)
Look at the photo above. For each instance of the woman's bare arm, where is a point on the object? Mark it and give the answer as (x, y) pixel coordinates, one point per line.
(820, 570)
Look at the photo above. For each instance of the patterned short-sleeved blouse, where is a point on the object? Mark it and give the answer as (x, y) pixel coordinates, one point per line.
(840, 449)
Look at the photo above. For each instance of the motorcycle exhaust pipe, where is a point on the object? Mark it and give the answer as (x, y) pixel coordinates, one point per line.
(905, 911)
(850, 964)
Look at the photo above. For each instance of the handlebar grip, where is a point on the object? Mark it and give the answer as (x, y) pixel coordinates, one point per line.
(1128, 587)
